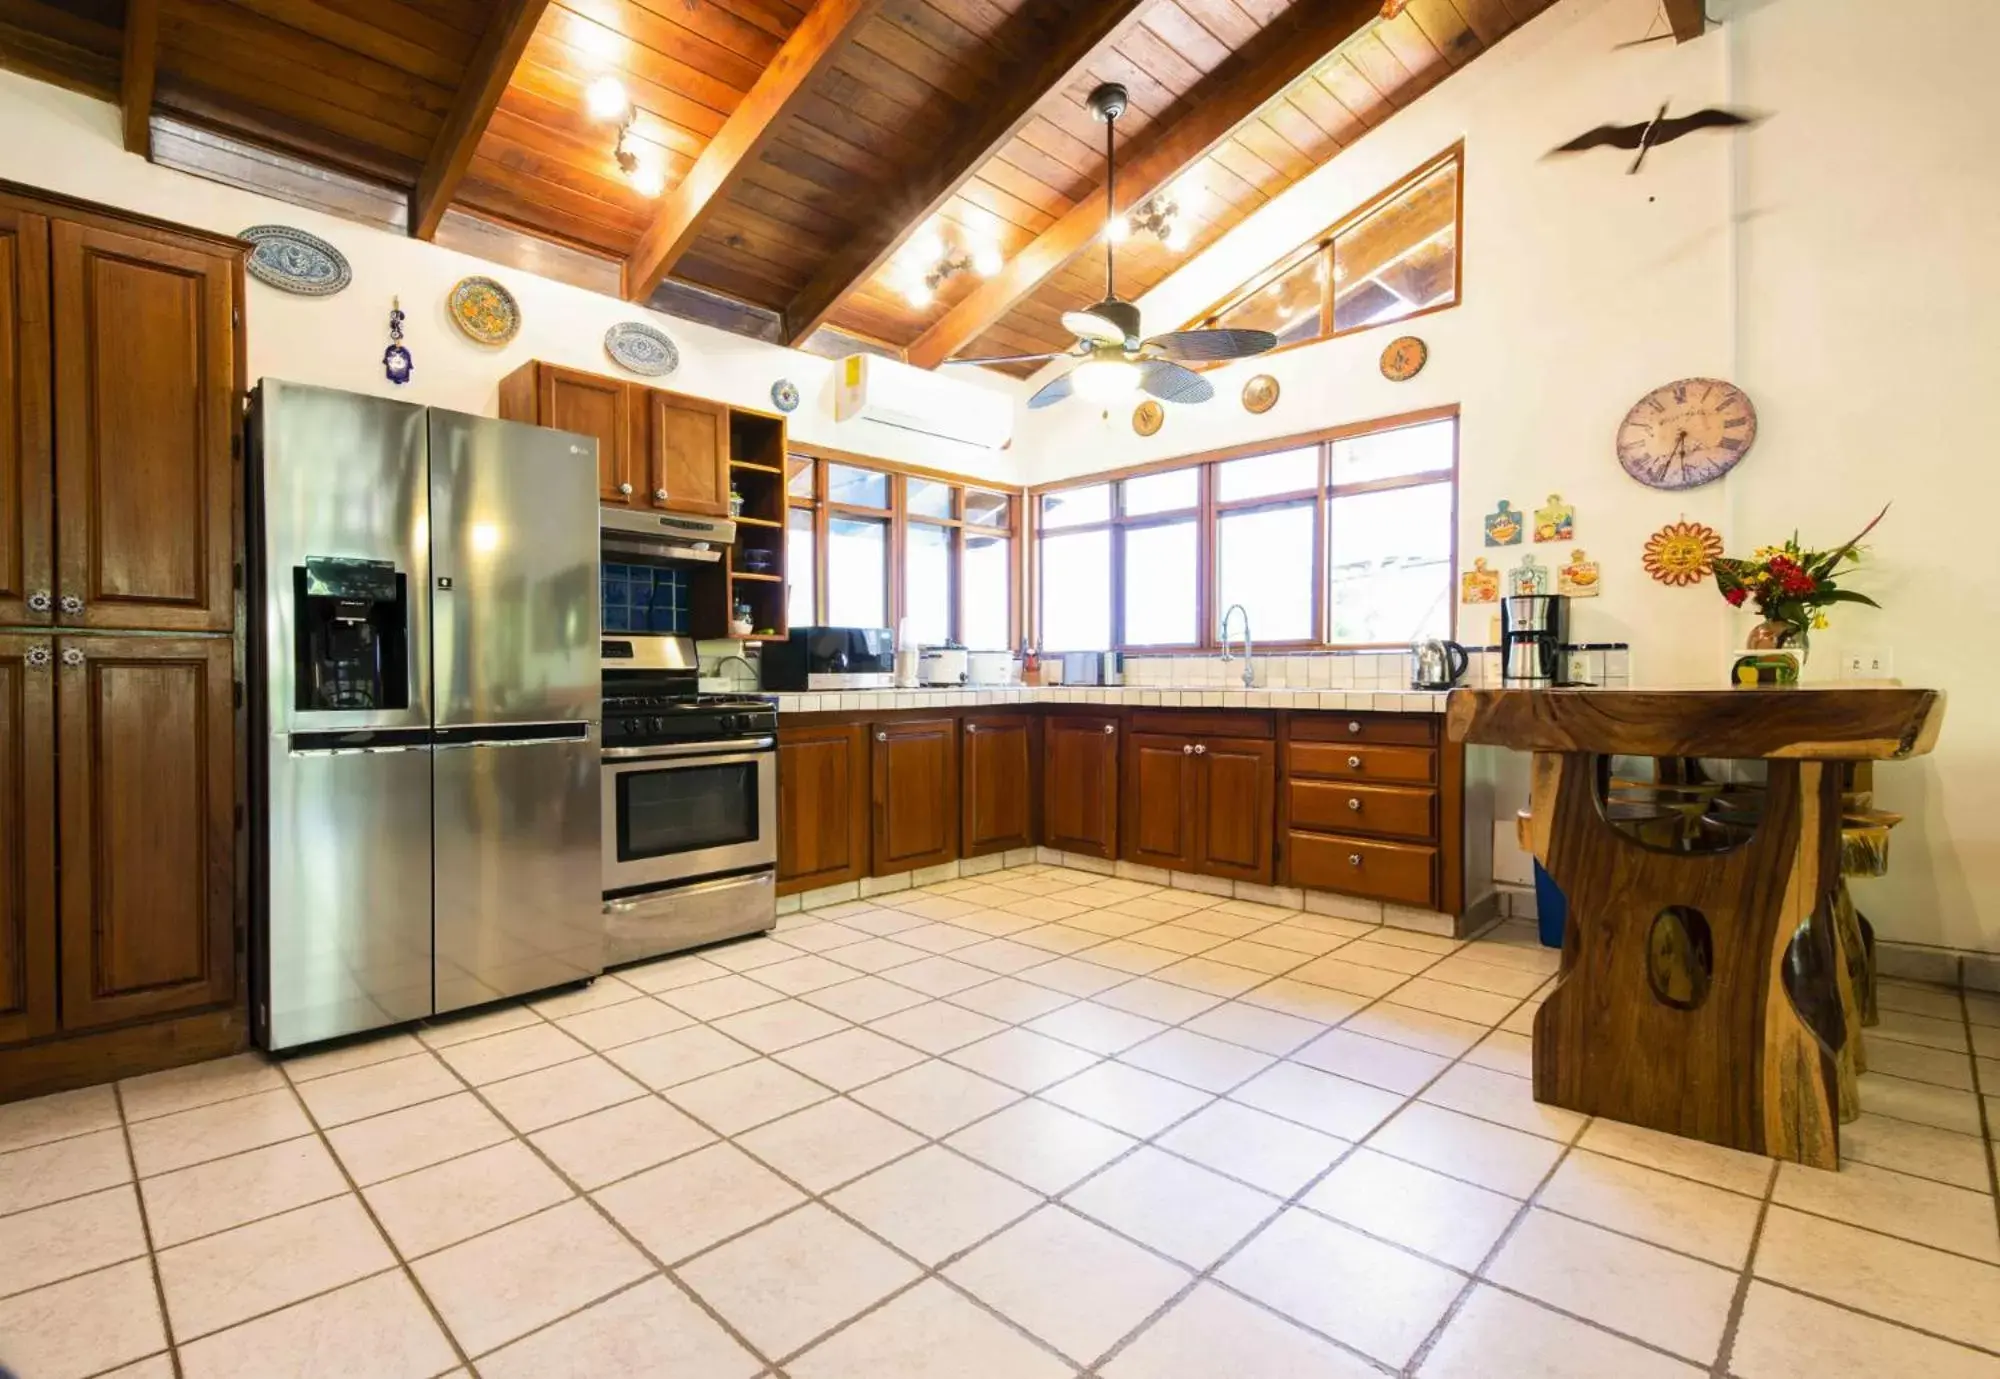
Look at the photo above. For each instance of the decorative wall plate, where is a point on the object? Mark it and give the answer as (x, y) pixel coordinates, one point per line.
(1528, 578)
(641, 348)
(1404, 358)
(293, 261)
(1260, 394)
(1148, 417)
(785, 395)
(1682, 553)
(1479, 584)
(1503, 527)
(1578, 577)
(484, 310)
(1556, 522)
(1687, 433)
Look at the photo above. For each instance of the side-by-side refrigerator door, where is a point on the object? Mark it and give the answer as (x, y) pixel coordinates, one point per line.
(514, 611)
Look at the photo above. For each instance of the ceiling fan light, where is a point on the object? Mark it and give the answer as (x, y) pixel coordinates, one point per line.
(606, 99)
(1106, 380)
(1176, 237)
(986, 260)
(1118, 229)
(918, 293)
(928, 245)
(647, 179)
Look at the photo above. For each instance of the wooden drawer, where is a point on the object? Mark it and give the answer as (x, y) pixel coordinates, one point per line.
(1390, 729)
(1340, 761)
(1383, 810)
(1401, 872)
(1198, 723)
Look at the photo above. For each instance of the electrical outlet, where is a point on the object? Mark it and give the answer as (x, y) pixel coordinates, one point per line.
(1576, 668)
(1868, 663)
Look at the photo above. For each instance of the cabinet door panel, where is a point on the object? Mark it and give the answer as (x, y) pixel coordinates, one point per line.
(593, 406)
(1080, 785)
(25, 473)
(823, 790)
(916, 795)
(145, 423)
(147, 803)
(1238, 799)
(996, 757)
(689, 464)
(27, 840)
(1160, 802)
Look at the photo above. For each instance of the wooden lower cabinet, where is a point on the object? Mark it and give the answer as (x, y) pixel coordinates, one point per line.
(1162, 802)
(1080, 784)
(916, 797)
(1238, 797)
(27, 839)
(823, 793)
(996, 786)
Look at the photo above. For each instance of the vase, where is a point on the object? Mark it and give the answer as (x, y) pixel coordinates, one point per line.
(1773, 633)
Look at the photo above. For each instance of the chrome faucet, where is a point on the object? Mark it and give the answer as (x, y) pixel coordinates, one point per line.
(1249, 666)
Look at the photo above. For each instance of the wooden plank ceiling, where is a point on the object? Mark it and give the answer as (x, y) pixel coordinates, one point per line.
(844, 150)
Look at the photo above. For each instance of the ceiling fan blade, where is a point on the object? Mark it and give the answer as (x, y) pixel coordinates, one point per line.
(1052, 392)
(1011, 358)
(1170, 382)
(1206, 346)
(1087, 325)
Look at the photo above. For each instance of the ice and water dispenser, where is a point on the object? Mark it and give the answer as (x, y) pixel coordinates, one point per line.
(352, 639)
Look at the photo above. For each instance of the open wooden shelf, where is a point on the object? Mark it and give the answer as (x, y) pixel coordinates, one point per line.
(752, 574)
(758, 522)
(759, 468)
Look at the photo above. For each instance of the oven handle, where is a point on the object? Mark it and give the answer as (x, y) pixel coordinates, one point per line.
(690, 749)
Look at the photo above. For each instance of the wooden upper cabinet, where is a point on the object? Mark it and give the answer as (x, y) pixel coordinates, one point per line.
(1080, 784)
(570, 400)
(687, 461)
(996, 766)
(1238, 783)
(145, 425)
(1161, 802)
(27, 839)
(147, 826)
(915, 794)
(27, 580)
(823, 790)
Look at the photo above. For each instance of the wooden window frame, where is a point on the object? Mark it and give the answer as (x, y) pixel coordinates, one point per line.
(1210, 510)
(1325, 240)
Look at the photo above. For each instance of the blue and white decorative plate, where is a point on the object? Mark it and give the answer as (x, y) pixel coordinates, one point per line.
(293, 261)
(785, 395)
(641, 348)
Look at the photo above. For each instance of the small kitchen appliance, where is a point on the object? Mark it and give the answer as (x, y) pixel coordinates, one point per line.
(1534, 629)
(943, 666)
(1436, 664)
(990, 668)
(829, 658)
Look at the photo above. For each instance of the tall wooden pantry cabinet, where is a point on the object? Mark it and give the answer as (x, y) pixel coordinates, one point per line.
(121, 377)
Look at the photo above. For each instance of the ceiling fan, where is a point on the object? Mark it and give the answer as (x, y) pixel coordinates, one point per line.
(1116, 359)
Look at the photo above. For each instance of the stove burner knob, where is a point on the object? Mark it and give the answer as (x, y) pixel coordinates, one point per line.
(658, 725)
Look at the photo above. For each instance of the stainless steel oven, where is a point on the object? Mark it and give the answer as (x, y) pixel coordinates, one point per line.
(680, 811)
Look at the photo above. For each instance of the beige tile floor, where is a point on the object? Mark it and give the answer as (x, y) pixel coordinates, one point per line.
(1035, 1124)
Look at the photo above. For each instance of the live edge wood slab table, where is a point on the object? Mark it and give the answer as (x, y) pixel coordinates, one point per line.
(1699, 990)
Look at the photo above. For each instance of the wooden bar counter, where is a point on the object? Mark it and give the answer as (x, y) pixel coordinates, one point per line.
(1698, 992)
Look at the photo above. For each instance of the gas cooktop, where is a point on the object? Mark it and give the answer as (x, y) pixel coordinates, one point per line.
(653, 719)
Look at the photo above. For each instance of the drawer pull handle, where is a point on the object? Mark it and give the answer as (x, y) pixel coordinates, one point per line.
(1187, 749)
(1200, 749)
(1354, 725)
(1354, 804)
(881, 737)
(1353, 859)
(1354, 763)
(1110, 728)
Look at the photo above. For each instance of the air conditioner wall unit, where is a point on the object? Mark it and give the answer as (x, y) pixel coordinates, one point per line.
(892, 393)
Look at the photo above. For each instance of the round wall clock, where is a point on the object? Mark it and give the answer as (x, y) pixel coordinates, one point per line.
(1687, 434)
(1404, 358)
(1148, 417)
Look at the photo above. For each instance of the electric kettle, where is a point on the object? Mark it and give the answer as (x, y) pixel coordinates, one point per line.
(1437, 664)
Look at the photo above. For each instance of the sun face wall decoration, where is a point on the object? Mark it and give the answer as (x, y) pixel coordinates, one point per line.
(1682, 553)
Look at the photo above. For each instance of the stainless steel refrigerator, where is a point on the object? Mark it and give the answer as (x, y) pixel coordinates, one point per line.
(426, 689)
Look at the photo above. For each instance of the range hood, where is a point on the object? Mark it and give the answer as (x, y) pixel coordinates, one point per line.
(665, 535)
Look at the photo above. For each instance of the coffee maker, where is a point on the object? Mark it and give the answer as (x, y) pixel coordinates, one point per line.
(351, 642)
(1534, 629)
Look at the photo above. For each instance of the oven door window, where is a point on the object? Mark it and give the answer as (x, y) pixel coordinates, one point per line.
(686, 809)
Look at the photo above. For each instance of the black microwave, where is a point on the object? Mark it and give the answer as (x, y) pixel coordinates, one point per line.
(829, 658)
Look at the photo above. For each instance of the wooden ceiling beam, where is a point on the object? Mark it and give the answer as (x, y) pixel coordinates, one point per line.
(1689, 18)
(486, 77)
(138, 69)
(1053, 62)
(1284, 51)
(820, 38)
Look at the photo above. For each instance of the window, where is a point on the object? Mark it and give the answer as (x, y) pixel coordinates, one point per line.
(1346, 540)
(868, 546)
(1395, 258)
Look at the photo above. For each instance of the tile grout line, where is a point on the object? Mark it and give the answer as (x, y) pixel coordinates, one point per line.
(1739, 1298)
(1979, 1098)
(146, 1233)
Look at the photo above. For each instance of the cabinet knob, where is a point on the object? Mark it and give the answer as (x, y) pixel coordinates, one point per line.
(1110, 728)
(1354, 725)
(1354, 763)
(72, 604)
(71, 656)
(1187, 749)
(659, 495)
(40, 602)
(1353, 859)
(1200, 749)
(971, 728)
(625, 489)
(1354, 804)
(36, 657)
(881, 737)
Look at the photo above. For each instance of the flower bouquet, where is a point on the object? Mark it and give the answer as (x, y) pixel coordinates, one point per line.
(1792, 587)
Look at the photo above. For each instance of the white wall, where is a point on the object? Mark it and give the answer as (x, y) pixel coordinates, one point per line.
(69, 143)
(1835, 261)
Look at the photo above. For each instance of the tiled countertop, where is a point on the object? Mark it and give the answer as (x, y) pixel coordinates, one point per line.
(1128, 696)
